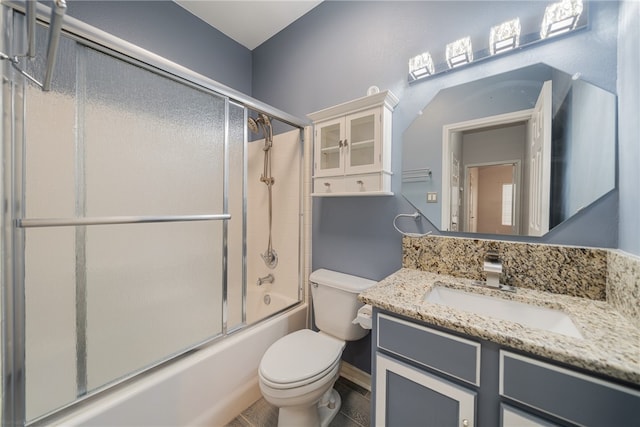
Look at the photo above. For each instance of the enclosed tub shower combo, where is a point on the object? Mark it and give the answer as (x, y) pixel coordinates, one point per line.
(135, 220)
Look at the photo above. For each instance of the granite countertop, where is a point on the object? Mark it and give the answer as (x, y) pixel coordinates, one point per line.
(610, 343)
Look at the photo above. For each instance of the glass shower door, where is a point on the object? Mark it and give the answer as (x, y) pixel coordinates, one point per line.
(103, 302)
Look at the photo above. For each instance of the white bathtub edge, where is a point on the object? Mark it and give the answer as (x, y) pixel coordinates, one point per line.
(189, 391)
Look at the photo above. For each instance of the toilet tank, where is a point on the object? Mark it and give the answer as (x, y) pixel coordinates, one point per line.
(335, 303)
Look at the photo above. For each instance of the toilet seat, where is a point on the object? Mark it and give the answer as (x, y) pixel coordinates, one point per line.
(300, 358)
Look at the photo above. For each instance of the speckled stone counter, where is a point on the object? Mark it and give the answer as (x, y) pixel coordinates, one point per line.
(610, 344)
(568, 270)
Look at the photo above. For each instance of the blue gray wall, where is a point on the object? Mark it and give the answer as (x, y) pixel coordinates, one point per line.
(168, 30)
(339, 49)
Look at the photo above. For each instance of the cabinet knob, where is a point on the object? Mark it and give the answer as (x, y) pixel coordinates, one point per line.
(340, 143)
(465, 423)
(327, 184)
(344, 143)
(360, 183)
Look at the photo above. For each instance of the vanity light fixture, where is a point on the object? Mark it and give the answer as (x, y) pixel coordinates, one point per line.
(421, 65)
(560, 17)
(505, 36)
(459, 52)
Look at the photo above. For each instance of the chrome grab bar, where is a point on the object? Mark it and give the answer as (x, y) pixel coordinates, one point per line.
(106, 220)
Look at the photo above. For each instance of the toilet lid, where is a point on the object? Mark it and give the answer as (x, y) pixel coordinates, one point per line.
(300, 356)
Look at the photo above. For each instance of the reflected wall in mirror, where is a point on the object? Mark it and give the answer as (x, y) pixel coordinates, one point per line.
(516, 153)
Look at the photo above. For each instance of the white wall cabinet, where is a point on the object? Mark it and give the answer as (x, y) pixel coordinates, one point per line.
(352, 147)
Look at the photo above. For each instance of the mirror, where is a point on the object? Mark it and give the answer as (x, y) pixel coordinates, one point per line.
(516, 153)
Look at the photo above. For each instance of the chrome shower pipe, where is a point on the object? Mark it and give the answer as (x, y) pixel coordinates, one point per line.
(270, 257)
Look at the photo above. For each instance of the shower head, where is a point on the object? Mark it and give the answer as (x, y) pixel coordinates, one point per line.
(253, 125)
(263, 120)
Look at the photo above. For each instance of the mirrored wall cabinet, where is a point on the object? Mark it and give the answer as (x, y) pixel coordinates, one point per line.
(352, 147)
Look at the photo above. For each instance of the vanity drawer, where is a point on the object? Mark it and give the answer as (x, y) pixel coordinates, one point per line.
(566, 394)
(446, 353)
(363, 183)
(328, 185)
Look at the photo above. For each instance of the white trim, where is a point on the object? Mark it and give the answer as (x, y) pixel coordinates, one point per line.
(355, 375)
(474, 344)
(384, 364)
(448, 130)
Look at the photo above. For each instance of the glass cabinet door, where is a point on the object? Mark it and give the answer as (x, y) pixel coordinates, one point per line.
(329, 152)
(363, 143)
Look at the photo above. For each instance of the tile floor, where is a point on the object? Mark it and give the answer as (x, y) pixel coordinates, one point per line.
(354, 412)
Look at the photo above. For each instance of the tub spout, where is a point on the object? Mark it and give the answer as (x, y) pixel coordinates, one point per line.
(266, 279)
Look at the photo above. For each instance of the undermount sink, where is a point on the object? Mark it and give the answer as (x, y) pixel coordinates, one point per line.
(525, 314)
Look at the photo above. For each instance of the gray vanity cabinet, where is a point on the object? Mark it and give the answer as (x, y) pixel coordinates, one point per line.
(427, 376)
(415, 385)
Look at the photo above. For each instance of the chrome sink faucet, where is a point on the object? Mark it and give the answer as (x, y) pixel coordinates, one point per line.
(493, 268)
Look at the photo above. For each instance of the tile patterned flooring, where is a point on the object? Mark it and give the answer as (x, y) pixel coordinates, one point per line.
(354, 412)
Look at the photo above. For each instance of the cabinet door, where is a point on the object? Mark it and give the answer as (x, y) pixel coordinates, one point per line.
(363, 142)
(329, 151)
(406, 396)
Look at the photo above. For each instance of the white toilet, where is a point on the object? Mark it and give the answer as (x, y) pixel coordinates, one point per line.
(298, 371)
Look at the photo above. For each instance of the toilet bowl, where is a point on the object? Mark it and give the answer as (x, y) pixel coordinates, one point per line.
(298, 371)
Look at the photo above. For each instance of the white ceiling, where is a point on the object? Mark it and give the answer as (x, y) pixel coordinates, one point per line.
(249, 22)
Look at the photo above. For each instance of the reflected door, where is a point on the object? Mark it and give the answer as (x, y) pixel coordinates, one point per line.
(539, 155)
(491, 199)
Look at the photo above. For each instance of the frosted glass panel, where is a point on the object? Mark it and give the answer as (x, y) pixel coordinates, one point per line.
(153, 146)
(152, 291)
(50, 134)
(50, 308)
(235, 241)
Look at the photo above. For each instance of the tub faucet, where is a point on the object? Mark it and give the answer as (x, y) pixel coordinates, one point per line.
(493, 268)
(266, 279)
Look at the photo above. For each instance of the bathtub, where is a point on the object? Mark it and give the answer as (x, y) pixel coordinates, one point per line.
(262, 303)
(207, 388)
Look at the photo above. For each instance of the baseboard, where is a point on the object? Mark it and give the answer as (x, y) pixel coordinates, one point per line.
(355, 375)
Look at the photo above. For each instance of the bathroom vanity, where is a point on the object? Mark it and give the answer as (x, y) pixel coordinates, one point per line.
(435, 364)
